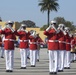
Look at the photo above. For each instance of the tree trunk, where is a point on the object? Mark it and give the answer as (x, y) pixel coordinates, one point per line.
(48, 17)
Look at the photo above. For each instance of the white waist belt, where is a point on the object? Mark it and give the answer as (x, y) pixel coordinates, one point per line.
(68, 43)
(62, 42)
(53, 40)
(9, 40)
(33, 42)
(23, 40)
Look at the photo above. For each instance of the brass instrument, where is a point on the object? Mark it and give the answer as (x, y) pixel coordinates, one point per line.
(8, 26)
(73, 50)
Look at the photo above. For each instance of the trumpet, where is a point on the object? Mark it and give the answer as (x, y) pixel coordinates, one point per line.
(48, 28)
(34, 34)
(54, 27)
(57, 30)
(4, 28)
(8, 26)
(19, 29)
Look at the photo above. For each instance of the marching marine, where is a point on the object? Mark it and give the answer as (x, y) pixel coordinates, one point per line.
(62, 47)
(53, 45)
(24, 44)
(39, 42)
(8, 31)
(68, 48)
(33, 48)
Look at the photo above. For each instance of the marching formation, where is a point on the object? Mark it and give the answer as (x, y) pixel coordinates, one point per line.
(60, 43)
(28, 43)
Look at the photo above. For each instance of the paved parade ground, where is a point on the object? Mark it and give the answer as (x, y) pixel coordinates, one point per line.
(40, 69)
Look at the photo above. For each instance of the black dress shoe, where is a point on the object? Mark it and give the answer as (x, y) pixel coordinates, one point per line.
(54, 72)
(37, 60)
(10, 71)
(60, 70)
(73, 61)
(23, 68)
(7, 70)
(32, 65)
(51, 73)
(28, 58)
(68, 67)
(65, 67)
(2, 57)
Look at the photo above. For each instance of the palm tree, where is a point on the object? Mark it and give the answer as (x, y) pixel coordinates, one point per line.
(48, 5)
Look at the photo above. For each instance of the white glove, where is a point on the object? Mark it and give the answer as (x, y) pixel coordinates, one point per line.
(58, 28)
(57, 31)
(54, 27)
(70, 35)
(8, 26)
(22, 29)
(26, 31)
(48, 28)
(4, 28)
(12, 29)
(64, 32)
(34, 34)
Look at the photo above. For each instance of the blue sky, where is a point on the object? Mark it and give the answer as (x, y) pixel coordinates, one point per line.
(19, 10)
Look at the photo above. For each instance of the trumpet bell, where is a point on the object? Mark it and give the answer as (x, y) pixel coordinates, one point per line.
(73, 50)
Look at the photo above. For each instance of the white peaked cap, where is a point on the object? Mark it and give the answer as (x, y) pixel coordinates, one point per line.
(53, 21)
(61, 25)
(9, 22)
(66, 28)
(23, 25)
